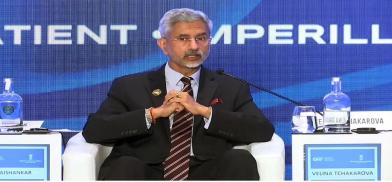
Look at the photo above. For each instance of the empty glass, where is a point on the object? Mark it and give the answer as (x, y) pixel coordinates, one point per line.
(304, 119)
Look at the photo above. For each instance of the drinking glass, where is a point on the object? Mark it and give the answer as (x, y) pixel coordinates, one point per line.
(304, 119)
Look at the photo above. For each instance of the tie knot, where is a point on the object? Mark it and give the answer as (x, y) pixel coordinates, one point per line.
(186, 80)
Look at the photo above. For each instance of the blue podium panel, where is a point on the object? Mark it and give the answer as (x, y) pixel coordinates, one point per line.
(24, 162)
(357, 162)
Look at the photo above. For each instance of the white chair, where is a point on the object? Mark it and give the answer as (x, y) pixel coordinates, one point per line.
(82, 160)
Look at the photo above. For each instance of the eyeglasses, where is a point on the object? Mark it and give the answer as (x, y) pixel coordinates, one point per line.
(185, 40)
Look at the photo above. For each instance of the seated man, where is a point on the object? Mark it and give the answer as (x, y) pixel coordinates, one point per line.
(180, 121)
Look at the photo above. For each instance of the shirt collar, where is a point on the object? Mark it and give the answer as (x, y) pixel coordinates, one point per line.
(174, 77)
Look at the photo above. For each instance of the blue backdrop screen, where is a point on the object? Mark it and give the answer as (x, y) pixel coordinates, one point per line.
(64, 54)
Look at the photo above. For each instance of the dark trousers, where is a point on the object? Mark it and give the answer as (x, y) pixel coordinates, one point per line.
(234, 164)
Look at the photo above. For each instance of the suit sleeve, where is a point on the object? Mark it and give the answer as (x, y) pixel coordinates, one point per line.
(244, 124)
(114, 121)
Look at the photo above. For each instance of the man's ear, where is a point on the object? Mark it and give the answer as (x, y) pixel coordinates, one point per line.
(162, 44)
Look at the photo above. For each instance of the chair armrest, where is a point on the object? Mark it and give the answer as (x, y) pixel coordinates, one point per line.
(270, 157)
(82, 160)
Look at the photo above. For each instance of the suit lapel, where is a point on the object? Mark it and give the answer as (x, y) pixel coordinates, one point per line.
(207, 87)
(156, 84)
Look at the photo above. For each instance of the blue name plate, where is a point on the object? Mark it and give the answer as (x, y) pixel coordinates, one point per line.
(359, 162)
(24, 162)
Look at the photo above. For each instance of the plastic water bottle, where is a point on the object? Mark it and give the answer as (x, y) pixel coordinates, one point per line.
(11, 110)
(337, 107)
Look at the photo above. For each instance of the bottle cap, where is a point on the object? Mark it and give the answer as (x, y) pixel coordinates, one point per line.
(7, 83)
(335, 79)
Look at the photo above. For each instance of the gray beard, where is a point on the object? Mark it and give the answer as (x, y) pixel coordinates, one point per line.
(198, 64)
(193, 65)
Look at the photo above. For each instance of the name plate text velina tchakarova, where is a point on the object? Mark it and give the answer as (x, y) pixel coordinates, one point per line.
(337, 162)
(381, 120)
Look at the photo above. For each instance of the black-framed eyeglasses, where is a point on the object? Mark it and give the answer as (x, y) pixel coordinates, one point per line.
(186, 40)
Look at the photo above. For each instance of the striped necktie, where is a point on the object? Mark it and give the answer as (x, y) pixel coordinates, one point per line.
(176, 165)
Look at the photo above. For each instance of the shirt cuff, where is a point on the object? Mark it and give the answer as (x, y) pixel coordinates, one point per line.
(207, 121)
(147, 114)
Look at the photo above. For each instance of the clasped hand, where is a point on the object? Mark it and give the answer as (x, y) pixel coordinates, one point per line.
(176, 101)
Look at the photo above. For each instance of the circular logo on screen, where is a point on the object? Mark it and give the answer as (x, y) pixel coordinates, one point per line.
(8, 110)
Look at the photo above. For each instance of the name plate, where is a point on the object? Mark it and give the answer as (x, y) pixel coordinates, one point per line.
(381, 120)
(348, 162)
(24, 162)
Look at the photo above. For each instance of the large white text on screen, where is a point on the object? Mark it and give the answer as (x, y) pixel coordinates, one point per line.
(274, 34)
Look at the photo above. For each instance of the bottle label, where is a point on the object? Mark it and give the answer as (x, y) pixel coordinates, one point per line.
(8, 110)
(10, 113)
(336, 117)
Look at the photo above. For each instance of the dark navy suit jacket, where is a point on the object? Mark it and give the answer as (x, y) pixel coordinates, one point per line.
(120, 120)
